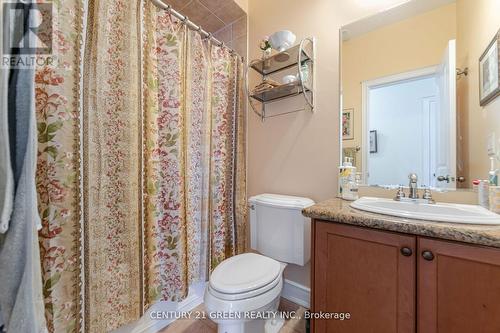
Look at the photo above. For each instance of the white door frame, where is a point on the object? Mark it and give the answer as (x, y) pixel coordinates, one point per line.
(365, 94)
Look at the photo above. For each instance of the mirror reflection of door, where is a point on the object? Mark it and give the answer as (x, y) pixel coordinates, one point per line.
(402, 113)
(441, 131)
(413, 116)
(446, 152)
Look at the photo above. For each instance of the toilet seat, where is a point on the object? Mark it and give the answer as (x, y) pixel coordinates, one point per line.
(216, 304)
(248, 294)
(244, 276)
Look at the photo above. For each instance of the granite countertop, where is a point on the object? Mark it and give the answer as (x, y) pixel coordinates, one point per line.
(337, 210)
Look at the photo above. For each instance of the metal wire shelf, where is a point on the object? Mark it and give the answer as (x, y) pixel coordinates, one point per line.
(297, 56)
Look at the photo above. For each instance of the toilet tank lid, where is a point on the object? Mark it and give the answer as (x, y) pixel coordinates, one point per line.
(278, 200)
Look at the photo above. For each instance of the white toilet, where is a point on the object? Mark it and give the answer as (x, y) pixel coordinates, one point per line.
(245, 287)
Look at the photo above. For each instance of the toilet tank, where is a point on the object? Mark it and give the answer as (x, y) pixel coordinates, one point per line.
(278, 229)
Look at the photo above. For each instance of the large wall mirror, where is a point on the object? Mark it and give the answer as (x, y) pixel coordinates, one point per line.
(412, 78)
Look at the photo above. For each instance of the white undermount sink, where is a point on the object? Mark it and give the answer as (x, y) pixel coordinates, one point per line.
(441, 212)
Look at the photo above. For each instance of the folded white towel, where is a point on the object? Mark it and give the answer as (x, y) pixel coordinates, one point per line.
(6, 175)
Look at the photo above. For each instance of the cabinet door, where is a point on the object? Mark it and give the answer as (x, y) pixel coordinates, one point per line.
(368, 273)
(458, 288)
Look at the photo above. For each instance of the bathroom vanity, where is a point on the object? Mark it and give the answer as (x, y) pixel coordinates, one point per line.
(394, 274)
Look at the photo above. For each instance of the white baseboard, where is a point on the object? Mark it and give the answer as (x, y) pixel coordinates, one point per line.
(296, 293)
(149, 325)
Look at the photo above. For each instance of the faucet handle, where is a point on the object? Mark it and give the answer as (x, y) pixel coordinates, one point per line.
(428, 195)
(400, 194)
(413, 177)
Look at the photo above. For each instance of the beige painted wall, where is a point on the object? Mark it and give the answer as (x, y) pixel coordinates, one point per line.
(297, 154)
(414, 43)
(243, 4)
(478, 23)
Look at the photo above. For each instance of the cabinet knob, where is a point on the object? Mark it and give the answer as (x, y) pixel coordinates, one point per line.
(428, 255)
(406, 251)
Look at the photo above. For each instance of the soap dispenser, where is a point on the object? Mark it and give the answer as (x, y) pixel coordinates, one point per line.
(347, 180)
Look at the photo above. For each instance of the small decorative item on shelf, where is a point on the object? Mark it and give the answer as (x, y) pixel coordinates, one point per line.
(288, 79)
(282, 40)
(266, 47)
(265, 85)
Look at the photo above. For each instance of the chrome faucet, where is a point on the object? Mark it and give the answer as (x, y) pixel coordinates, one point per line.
(413, 186)
(413, 192)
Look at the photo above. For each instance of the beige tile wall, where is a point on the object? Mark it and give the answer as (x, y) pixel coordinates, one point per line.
(235, 35)
(224, 18)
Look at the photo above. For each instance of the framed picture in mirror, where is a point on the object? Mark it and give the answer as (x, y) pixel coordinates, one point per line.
(348, 124)
(373, 142)
(489, 74)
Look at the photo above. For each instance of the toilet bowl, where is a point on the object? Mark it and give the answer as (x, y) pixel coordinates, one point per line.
(244, 291)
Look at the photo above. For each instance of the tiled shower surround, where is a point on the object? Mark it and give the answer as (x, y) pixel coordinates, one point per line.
(224, 18)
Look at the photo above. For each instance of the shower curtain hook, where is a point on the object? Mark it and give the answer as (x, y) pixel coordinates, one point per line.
(209, 36)
(185, 19)
(168, 9)
(199, 28)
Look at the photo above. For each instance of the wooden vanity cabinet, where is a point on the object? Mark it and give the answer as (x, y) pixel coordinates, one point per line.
(391, 282)
(458, 288)
(363, 272)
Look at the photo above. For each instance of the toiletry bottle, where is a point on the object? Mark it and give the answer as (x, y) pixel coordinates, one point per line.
(354, 189)
(351, 188)
(344, 173)
(483, 194)
(348, 180)
(493, 174)
(475, 184)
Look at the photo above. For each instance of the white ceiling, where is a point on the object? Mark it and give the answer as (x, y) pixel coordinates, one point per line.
(389, 16)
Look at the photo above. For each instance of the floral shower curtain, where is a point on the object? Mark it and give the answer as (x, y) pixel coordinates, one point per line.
(112, 165)
(57, 100)
(194, 156)
(163, 173)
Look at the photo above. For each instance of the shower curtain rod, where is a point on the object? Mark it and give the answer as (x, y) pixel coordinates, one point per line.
(185, 20)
